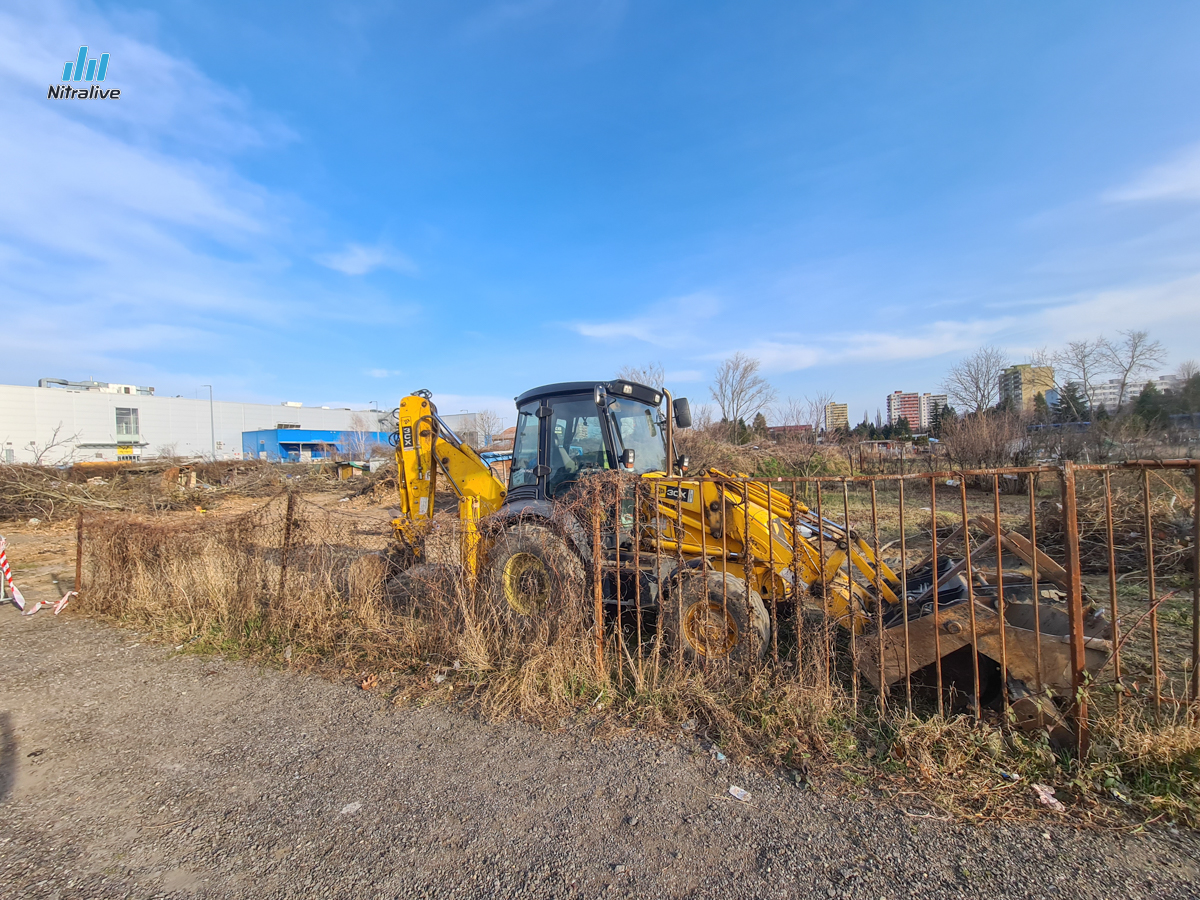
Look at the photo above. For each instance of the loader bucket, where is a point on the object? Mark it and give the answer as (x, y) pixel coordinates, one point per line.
(927, 639)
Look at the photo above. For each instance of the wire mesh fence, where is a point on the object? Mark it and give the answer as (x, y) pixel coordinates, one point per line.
(1041, 598)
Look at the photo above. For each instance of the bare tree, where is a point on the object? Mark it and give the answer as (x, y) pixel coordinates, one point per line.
(1133, 355)
(358, 437)
(702, 417)
(739, 390)
(42, 452)
(1187, 370)
(1082, 362)
(973, 384)
(652, 374)
(489, 424)
(808, 410)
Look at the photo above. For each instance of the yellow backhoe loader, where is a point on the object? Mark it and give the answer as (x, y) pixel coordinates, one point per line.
(705, 554)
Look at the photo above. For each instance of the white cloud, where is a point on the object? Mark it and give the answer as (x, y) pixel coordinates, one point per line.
(914, 343)
(358, 259)
(142, 236)
(1176, 179)
(1173, 306)
(678, 376)
(383, 373)
(164, 98)
(668, 324)
(128, 239)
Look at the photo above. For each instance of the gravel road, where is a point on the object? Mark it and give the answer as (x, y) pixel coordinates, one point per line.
(129, 770)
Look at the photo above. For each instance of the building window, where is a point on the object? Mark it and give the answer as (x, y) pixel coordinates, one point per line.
(127, 422)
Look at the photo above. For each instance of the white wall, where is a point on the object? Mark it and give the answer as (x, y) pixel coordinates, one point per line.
(89, 418)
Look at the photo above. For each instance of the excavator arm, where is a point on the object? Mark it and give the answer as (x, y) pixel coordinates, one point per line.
(426, 449)
(740, 517)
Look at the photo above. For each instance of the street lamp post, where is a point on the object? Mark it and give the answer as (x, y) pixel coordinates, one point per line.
(212, 422)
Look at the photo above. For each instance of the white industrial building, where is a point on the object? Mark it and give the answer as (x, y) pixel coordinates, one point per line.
(95, 420)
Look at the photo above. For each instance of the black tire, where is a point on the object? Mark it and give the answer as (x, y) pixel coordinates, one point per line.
(718, 620)
(531, 569)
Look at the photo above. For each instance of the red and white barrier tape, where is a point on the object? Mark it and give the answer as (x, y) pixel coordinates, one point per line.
(17, 599)
(58, 604)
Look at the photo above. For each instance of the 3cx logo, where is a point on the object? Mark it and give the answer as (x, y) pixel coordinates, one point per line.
(82, 69)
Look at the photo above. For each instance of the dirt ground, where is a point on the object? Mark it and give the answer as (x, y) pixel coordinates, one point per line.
(128, 769)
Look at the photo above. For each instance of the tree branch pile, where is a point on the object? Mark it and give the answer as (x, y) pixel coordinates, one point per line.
(43, 492)
(1171, 528)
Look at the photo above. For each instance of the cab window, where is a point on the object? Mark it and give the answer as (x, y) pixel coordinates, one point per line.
(525, 449)
(635, 428)
(576, 443)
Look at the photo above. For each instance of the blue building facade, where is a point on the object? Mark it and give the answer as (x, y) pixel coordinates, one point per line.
(283, 444)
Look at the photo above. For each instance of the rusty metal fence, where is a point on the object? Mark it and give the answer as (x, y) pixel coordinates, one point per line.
(1097, 562)
(1045, 597)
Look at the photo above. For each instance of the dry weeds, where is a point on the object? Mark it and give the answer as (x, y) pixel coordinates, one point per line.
(313, 591)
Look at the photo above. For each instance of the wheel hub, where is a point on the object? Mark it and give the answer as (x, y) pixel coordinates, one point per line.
(710, 629)
(526, 583)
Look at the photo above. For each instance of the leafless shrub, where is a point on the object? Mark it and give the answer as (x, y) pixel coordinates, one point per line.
(987, 440)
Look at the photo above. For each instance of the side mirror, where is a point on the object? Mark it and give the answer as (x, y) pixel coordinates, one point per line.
(627, 458)
(683, 413)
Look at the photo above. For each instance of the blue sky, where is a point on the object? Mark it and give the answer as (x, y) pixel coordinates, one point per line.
(341, 202)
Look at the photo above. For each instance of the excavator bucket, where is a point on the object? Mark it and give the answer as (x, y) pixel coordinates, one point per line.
(1018, 626)
(906, 626)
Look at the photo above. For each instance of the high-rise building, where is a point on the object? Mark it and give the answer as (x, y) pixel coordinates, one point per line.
(931, 405)
(1019, 384)
(918, 409)
(837, 415)
(901, 405)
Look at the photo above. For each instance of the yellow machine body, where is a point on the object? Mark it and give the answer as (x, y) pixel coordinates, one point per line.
(758, 534)
(426, 447)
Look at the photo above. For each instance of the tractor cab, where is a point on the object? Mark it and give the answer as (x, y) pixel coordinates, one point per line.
(569, 430)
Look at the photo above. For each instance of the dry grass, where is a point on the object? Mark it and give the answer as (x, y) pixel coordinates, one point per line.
(327, 603)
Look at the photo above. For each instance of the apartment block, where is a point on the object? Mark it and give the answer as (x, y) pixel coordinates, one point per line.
(902, 405)
(931, 405)
(1021, 383)
(837, 415)
(917, 409)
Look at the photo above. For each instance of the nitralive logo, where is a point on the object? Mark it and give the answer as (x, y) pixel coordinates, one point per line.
(79, 70)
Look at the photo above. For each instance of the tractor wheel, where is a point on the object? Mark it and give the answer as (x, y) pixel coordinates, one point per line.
(531, 569)
(716, 618)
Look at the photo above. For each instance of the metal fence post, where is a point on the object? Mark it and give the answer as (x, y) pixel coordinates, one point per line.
(597, 588)
(1075, 606)
(79, 552)
(1195, 583)
(287, 543)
